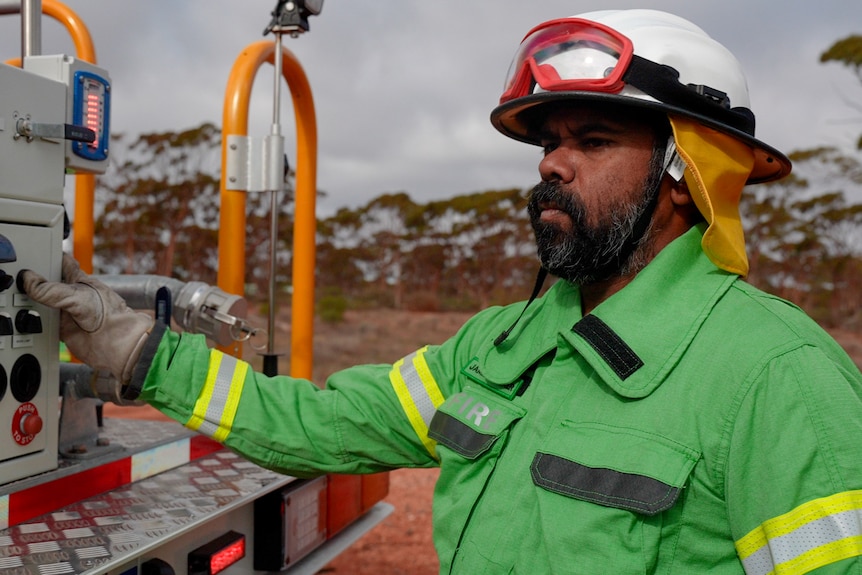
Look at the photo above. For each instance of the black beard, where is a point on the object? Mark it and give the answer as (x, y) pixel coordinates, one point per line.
(590, 254)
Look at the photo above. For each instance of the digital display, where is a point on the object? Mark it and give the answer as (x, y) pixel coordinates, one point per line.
(91, 107)
(217, 555)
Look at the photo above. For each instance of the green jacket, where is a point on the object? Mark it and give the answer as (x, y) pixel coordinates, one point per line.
(690, 424)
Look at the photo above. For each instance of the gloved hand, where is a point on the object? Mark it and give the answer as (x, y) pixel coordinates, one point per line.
(96, 324)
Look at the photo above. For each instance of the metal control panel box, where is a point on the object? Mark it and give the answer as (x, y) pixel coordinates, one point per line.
(31, 169)
(31, 236)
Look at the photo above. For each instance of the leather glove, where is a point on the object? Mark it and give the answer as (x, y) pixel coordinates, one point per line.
(96, 324)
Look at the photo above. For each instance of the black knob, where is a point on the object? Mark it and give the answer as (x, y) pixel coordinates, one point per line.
(25, 378)
(6, 281)
(28, 321)
(5, 324)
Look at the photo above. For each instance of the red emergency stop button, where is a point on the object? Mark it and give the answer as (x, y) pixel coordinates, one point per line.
(31, 424)
(26, 423)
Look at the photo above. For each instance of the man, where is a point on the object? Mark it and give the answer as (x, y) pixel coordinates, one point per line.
(651, 413)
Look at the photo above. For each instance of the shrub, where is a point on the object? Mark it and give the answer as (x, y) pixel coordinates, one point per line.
(331, 307)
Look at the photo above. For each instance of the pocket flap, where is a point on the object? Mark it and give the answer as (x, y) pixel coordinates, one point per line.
(615, 467)
(470, 422)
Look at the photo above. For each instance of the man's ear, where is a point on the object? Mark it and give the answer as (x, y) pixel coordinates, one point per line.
(679, 194)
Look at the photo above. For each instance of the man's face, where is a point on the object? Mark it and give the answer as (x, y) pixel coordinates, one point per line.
(599, 172)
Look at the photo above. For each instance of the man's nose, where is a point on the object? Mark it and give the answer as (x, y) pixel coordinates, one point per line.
(557, 165)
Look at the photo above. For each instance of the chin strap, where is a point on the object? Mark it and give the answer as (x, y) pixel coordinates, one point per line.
(540, 280)
(674, 166)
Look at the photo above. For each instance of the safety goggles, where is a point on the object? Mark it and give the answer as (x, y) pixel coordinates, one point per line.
(575, 55)
(569, 54)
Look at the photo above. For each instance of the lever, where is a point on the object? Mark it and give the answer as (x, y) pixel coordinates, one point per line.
(61, 131)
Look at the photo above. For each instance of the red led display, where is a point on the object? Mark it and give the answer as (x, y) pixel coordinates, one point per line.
(217, 555)
(223, 559)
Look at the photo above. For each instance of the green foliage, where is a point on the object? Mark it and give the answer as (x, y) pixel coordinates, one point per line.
(468, 251)
(331, 306)
(847, 51)
(804, 237)
(158, 205)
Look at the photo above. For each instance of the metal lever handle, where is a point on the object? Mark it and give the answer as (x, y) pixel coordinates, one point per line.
(30, 129)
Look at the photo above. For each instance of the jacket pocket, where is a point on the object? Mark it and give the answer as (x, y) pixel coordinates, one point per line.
(600, 483)
(614, 467)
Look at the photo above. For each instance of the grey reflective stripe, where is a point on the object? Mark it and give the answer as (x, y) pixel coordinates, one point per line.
(607, 487)
(418, 394)
(807, 537)
(459, 437)
(221, 389)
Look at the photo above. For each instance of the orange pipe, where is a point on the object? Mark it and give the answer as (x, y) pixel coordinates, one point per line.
(84, 48)
(232, 220)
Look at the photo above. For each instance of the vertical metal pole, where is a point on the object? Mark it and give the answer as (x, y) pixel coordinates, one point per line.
(271, 358)
(31, 28)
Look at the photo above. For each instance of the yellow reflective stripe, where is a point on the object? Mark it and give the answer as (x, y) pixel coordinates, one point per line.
(200, 409)
(418, 393)
(216, 406)
(814, 534)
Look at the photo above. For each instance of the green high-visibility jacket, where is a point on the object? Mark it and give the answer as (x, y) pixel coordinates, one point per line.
(689, 424)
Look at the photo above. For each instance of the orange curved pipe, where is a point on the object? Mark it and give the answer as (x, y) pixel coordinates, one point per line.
(85, 184)
(84, 48)
(232, 220)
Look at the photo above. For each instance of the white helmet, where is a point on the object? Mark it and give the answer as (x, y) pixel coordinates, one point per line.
(641, 58)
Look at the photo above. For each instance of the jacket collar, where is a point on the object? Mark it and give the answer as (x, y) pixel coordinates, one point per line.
(634, 338)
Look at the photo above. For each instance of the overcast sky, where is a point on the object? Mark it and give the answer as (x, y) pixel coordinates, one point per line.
(403, 89)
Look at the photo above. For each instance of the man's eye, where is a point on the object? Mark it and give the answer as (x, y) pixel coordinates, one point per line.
(548, 147)
(595, 142)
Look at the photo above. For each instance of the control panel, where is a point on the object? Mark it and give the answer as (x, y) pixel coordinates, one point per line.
(31, 236)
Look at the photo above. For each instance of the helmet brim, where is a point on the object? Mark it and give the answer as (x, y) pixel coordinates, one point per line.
(509, 119)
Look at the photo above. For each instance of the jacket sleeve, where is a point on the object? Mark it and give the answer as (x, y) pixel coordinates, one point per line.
(794, 466)
(356, 424)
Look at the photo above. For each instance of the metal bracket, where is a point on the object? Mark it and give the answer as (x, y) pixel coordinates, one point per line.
(80, 436)
(255, 165)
